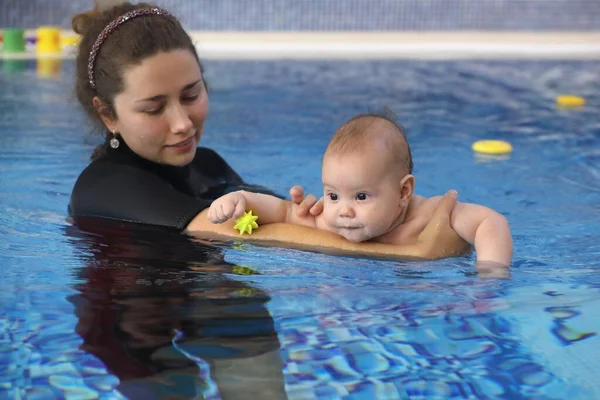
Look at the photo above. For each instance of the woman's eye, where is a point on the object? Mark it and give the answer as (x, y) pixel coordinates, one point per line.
(361, 196)
(333, 196)
(190, 98)
(155, 111)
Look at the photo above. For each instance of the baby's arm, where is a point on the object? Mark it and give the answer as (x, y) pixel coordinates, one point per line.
(269, 209)
(487, 230)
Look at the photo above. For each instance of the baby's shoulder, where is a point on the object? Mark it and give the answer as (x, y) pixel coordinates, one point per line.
(422, 207)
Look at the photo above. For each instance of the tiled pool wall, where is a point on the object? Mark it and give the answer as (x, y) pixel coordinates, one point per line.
(337, 15)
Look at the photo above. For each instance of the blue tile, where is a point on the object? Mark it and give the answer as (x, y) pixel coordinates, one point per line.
(337, 15)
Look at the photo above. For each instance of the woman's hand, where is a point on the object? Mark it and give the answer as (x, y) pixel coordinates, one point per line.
(439, 239)
(306, 205)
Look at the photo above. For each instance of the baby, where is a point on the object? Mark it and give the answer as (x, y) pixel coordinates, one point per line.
(369, 195)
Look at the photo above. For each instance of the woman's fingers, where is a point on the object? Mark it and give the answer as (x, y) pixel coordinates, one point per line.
(297, 194)
(445, 206)
(317, 208)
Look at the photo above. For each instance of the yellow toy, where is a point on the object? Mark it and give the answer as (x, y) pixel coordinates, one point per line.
(246, 223)
(570, 101)
(69, 41)
(48, 40)
(492, 147)
(243, 270)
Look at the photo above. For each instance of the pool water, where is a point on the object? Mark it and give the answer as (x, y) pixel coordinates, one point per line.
(134, 312)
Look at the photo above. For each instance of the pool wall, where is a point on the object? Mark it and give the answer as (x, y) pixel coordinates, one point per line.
(338, 15)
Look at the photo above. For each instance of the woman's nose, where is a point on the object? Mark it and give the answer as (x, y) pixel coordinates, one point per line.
(180, 121)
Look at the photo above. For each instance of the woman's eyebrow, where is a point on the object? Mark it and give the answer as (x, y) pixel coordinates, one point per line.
(163, 96)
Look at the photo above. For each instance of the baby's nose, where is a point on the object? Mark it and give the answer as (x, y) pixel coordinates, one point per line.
(347, 212)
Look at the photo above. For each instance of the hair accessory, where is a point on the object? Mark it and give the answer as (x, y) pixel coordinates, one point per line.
(111, 27)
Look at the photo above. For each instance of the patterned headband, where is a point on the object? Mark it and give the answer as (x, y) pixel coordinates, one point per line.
(111, 27)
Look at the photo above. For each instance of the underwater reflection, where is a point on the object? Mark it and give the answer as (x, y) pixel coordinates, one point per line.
(166, 317)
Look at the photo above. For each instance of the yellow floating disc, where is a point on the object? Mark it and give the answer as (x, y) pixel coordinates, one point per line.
(492, 147)
(570, 101)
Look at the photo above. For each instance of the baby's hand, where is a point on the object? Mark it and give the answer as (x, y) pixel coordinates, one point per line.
(230, 206)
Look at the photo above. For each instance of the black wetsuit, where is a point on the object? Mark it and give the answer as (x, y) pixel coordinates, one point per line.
(126, 187)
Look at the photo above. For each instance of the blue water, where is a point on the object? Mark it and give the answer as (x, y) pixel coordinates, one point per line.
(139, 313)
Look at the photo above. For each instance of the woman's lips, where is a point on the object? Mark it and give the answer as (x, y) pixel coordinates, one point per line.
(183, 143)
(185, 146)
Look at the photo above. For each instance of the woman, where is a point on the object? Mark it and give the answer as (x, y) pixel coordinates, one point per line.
(140, 79)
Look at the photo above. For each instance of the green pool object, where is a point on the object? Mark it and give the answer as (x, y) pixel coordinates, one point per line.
(13, 40)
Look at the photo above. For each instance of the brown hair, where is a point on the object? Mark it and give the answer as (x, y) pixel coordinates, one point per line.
(128, 45)
(358, 133)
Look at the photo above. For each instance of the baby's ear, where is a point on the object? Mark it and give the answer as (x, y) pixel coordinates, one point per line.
(407, 187)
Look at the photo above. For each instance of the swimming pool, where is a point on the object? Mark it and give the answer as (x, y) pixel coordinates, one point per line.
(165, 317)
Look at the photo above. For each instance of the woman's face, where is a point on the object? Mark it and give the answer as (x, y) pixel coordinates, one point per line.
(160, 113)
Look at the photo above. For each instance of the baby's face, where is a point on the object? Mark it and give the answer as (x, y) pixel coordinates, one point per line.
(362, 196)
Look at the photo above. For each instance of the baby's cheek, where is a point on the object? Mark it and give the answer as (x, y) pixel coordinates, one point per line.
(328, 216)
(376, 227)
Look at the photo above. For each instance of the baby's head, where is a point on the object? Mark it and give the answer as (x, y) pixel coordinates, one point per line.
(367, 177)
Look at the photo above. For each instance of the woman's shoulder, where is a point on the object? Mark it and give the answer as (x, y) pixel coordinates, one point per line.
(123, 173)
(98, 181)
(106, 168)
(128, 192)
(106, 183)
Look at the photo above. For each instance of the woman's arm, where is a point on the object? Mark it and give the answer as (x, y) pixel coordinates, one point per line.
(438, 240)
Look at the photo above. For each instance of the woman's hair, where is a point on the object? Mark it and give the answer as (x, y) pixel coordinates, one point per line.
(128, 45)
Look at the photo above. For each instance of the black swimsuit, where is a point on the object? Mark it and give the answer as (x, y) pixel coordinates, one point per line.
(126, 187)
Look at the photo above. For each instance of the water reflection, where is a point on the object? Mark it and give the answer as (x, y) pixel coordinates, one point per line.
(163, 316)
(12, 67)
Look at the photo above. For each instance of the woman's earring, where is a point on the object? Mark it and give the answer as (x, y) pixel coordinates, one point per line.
(114, 142)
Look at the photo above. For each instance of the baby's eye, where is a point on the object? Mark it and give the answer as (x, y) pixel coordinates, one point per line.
(333, 196)
(361, 196)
